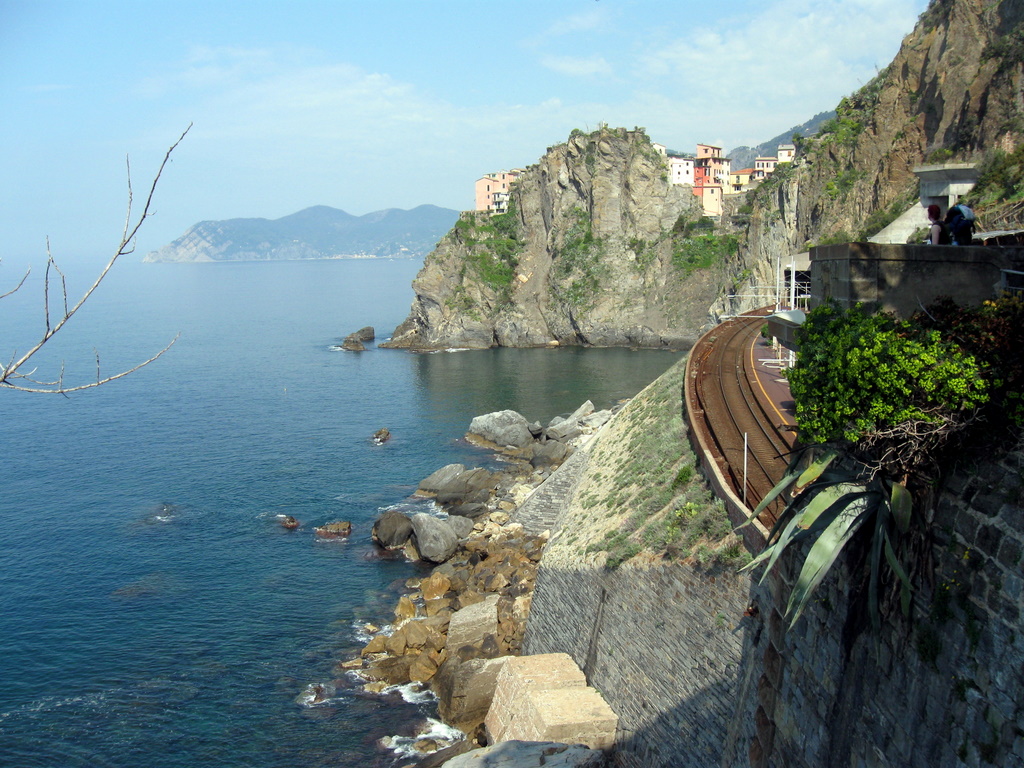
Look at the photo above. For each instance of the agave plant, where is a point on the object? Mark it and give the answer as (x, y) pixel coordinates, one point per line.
(828, 506)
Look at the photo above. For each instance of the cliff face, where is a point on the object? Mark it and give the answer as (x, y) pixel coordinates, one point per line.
(953, 93)
(594, 251)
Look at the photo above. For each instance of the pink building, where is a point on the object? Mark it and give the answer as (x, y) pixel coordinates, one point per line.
(716, 167)
(492, 190)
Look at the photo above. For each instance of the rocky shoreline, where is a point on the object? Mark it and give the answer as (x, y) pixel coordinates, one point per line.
(454, 628)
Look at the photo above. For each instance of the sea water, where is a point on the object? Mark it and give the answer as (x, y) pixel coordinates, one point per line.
(153, 611)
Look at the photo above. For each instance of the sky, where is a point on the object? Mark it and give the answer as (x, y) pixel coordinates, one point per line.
(380, 103)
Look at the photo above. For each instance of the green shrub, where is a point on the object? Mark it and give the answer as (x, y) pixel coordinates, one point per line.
(859, 373)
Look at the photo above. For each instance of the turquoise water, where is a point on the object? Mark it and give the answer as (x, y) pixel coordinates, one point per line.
(152, 610)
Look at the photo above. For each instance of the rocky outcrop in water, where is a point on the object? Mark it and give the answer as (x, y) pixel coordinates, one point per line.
(590, 253)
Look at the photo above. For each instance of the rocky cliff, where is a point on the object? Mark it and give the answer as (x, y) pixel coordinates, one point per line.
(952, 94)
(597, 249)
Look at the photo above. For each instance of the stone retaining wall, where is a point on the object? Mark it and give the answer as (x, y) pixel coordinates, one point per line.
(662, 644)
(944, 690)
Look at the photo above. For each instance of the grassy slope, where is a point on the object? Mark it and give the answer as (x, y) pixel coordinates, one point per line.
(642, 495)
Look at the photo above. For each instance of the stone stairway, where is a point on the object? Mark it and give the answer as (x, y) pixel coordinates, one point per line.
(541, 510)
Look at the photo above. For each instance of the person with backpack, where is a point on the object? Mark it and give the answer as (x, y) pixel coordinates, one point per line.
(938, 232)
(960, 220)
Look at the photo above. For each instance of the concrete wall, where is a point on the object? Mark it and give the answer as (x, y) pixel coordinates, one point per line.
(902, 278)
(943, 690)
(661, 642)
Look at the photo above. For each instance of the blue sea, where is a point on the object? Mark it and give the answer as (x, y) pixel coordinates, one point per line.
(153, 612)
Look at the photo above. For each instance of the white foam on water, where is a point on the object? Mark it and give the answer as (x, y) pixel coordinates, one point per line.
(433, 730)
(412, 693)
(49, 703)
(318, 695)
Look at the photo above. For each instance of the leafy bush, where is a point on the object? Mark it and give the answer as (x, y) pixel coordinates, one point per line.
(859, 373)
(993, 333)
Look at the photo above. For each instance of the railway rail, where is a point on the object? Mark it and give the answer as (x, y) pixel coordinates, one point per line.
(743, 430)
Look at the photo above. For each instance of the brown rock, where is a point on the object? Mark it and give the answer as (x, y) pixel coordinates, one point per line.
(416, 633)
(396, 643)
(405, 609)
(390, 669)
(334, 530)
(422, 668)
(376, 645)
(433, 607)
(468, 598)
(496, 582)
(435, 585)
(465, 690)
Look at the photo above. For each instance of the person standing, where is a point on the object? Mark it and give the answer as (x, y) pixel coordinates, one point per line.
(938, 232)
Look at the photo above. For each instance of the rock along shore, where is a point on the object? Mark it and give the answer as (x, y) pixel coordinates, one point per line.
(453, 629)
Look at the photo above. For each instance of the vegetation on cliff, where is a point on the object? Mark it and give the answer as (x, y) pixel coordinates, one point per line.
(597, 248)
(951, 94)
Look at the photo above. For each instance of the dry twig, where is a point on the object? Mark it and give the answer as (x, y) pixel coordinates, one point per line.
(11, 375)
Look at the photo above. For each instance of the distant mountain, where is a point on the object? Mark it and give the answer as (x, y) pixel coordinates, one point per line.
(319, 232)
(743, 157)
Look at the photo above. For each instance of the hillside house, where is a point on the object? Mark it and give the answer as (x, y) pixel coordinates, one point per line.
(680, 168)
(711, 166)
(740, 180)
(763, 167)
(492, 190)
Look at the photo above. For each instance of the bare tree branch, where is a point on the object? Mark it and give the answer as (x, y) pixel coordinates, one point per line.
(11, 375)
(16, 288)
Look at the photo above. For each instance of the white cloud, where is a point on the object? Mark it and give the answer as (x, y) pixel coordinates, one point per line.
(797, 56)
(579, 22)
(576, 66)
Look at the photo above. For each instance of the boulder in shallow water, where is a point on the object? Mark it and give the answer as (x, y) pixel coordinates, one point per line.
(474, 486)
(436, 480)
(364, 334)
(392, 530)
(503, 428)
(334, 530)
(353, 345)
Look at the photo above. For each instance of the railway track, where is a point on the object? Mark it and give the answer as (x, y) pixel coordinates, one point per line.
(752, 450)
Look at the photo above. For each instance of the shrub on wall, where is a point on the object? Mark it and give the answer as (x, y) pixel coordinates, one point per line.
(858, 373)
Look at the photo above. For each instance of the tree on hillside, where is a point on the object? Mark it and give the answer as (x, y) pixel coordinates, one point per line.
(57, 311)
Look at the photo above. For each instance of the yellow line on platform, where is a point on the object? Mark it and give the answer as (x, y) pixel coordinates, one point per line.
(757, 378)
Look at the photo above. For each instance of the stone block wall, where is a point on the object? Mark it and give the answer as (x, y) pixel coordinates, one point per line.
(945, 689)
(660, 641)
